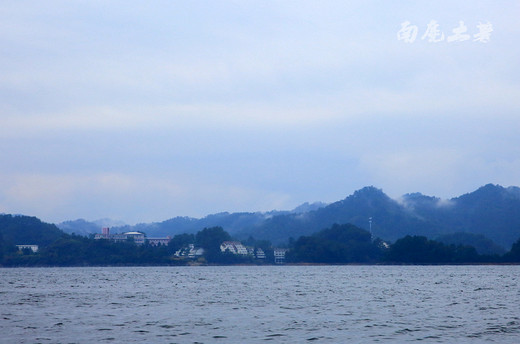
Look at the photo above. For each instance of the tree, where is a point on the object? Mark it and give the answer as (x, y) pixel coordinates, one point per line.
(420, 250)
(514, 254)
(1, 248)
(210, 239)
(263, 244)
(481, 243)
(179, 241)
(338, 244)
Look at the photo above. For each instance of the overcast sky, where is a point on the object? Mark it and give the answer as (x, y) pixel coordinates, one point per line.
(145, 110)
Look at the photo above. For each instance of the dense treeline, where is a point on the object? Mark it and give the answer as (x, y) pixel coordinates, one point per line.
(481, 243)
(491, 211)
(75, 250)
(420, 250)
(514, 254)
(342, 244)
(339, 244)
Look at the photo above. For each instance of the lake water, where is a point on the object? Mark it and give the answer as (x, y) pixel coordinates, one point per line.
(252, 304)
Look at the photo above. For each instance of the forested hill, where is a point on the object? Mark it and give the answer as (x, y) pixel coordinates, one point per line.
(390, 220)
(492, 211)
(232, 222)
(27, 230)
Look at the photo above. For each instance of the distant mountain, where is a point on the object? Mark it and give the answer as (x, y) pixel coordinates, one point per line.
(85, 228)
(232, 222)
(80, 227)
(390, 220)
(177, 225)
(492, 211)
(108, 223)
(306, 207)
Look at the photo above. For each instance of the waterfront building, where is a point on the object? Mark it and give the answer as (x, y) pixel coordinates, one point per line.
(279, 255)
(159, 241)
(33, 248)
(234, 247)
(137, 237)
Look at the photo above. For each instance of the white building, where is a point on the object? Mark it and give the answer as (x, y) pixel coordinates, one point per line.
(279, 255)
(159, 241)
(137, 237)
(234, 247)
(33, 248)
(190, 252)
(260, 254)
(195, 252)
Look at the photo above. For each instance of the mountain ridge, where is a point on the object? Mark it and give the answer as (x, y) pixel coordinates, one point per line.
(492, 211)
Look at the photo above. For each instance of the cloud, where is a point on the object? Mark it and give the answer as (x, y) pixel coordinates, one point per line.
(178, 108)
(412, 167)
(56, 198)
(442, 172)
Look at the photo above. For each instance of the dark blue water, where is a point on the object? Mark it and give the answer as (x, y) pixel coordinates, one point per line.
(321, 304)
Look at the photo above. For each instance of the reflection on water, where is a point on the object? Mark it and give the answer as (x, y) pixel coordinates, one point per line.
(329, 304)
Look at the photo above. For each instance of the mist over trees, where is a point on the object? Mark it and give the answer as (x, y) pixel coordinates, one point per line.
(488, 219)
(491, 211)
(482, 244)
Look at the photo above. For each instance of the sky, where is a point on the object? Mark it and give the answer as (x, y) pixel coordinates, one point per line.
(141, 111)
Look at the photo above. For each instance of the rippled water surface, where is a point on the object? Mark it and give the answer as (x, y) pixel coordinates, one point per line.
(250, 304)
